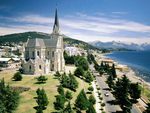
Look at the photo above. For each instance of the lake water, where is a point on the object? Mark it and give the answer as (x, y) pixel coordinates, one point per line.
(139, 61)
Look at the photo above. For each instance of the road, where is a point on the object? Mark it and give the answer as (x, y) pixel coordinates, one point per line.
(110, 107)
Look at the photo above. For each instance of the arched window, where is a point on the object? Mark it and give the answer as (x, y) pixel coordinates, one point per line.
(52, 53)
(38, 53)
(33, 54)
(40, 67)
(30, 67)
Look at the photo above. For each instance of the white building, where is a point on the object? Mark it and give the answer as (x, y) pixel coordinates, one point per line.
(45, 55)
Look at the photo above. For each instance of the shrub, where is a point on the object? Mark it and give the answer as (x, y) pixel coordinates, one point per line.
(92, 99)
(90, 88)
(17, 76)
(41, 79)
(103, 104)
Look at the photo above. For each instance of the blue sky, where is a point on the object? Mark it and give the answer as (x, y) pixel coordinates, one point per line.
(88, 20)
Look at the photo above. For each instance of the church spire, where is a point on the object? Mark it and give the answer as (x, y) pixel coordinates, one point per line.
(56, 24)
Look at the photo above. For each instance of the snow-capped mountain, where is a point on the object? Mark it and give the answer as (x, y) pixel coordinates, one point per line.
(118, 45)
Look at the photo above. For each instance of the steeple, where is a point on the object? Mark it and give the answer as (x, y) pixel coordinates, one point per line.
(56, 24)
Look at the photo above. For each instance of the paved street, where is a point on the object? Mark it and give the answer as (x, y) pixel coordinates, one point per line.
(110, 107)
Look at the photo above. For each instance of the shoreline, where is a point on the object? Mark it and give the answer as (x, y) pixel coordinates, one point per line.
(130, 73)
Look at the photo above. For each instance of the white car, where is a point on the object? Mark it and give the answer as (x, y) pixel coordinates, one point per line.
(107, 94)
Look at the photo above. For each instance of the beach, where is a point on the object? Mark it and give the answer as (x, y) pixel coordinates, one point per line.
(122, 69)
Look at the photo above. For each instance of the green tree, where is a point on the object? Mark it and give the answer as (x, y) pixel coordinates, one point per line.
(41, 79)
(73, 84)
(135, 91)
(68, 108)
(60, 101)
(81, 61)
(41, 100)
(147, 108)
(91, 109)
(79, 72)
(60, 90)
(90, 88)
(9, 98)
(121, 91)
(113, 71)
(110, 81)
(88, 77)
(92, 99)
(17, 76)
(82, 102)
(68, 95)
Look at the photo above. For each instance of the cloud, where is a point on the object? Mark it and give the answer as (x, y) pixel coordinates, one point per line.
(80, 26)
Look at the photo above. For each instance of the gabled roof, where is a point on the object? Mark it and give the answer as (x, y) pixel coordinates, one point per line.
(37, 42)
(50, 42)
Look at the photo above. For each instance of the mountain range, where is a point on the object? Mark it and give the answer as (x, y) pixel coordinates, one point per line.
(120, 45)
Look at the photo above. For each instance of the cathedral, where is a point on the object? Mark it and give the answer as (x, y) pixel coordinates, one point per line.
(43, 56)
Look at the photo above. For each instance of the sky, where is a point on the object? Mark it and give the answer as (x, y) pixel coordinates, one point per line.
(126, 21)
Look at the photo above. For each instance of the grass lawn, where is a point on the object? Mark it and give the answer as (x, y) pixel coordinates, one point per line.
(27, 101)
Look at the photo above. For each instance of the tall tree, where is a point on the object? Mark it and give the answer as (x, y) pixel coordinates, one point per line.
(88, 77)
(41, 100)
(110, 81)
(82, 102)
(60, 102)
(60, 90)
(79, 72)
(73, 84)
(68, 108)
(135, 91)
(121, 91)
(113, 71)
(91, 109)
(8, 98)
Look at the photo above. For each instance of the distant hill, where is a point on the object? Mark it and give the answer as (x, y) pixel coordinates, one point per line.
(22, 37)
(120, 45)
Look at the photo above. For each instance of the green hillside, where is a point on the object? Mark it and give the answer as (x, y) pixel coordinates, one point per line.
(22, 37)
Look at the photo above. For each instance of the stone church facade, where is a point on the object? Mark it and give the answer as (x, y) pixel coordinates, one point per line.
(43, 56)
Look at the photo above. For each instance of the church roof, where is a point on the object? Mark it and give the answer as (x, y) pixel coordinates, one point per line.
(37, 42)
(50, 42)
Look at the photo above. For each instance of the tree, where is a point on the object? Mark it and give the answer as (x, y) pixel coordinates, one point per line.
(110, 81)
(9, 98)
(91, 109)
(82, 102)
(68, 109)
(121, 91)
(41, 79)
(147, 108)
(88, 77)
(60, 90)
(73, 84)
(41, 100)
(17, 76)
(81, 61)
(113, 71)
(68, 95)
(92, 99)
(135, 91)
(60, 101)
(79, 72)
(90, 88)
